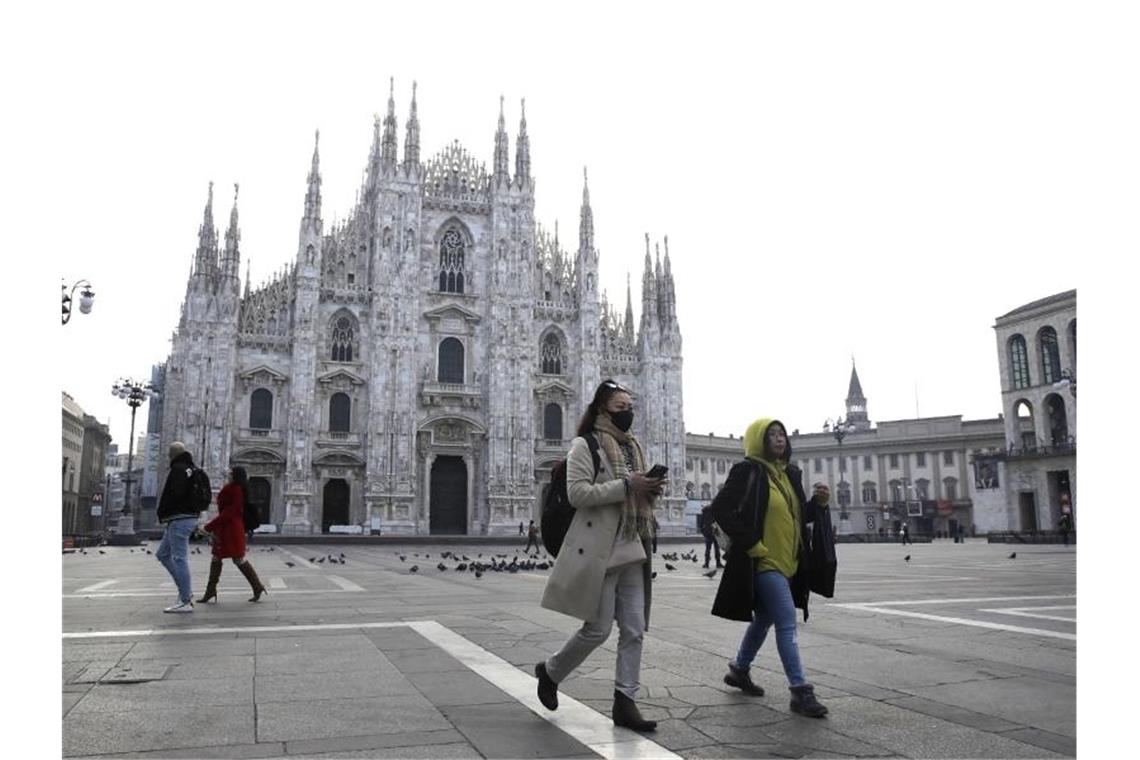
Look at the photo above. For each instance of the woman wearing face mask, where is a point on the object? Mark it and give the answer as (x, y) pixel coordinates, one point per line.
(603, 571)
(763, 509)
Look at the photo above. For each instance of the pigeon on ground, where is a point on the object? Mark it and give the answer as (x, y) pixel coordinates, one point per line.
(669, 567)
(710, 573)
(312, 559)
(322, 559)
(653, 575)
(414, 569)
(907, 558)
(1013, 556)
(403, 557)
(478, 573)
(468, 559)
(461, 567)
(148, 551)
(441, 567)
(289, 564)
(102, 552)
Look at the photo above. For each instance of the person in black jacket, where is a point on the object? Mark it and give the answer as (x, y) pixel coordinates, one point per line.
(179, 514)
(768, 564)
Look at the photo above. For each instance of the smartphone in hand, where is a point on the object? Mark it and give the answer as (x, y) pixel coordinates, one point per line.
(657, 471)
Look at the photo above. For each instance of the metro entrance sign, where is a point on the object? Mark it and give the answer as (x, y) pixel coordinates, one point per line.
(97, 504)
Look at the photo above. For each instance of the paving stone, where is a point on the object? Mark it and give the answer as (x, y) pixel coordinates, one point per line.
(813, 736)
(751, 713)
(112, 652)
(170, 695)
(459, 688)
(306, 687)
(1064, 745)
(177, 647)
(458, 751)
(674, 734)
(99, 733)
(954, 714)
(1049, 710)
(327, 662)
(391, 639)
(511, 730)
(69, 701)
(233, 751)
(421, 661)
(354, 644)
(407, 739)
(705, 695)
(717, 751)
(844, 686)
(285, 721)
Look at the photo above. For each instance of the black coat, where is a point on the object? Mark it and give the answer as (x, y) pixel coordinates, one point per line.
(740, 510)
(175, 499)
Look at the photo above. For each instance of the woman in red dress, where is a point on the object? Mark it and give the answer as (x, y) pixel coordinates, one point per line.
(227, 534)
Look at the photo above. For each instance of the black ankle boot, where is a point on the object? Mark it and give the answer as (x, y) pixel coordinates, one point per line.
(805, 703)
(742, 679)
(627, 715)
(547, 688)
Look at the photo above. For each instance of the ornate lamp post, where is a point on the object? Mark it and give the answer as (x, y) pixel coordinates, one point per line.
(134, 393)
(840, 428)
(86, 299)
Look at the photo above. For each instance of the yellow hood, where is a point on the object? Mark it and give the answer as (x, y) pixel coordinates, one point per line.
(754, 440)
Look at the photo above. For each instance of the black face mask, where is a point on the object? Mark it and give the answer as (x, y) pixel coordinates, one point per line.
(623, 419)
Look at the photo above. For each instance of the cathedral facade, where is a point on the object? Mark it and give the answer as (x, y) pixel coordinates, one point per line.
(420, 366)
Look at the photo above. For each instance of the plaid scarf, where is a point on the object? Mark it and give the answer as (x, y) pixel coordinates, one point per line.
(624, 453)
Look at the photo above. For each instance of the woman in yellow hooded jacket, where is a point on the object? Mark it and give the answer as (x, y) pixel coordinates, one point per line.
(763, 510)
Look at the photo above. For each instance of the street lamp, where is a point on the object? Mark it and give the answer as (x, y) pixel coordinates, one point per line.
(134, 393)
(840, 429)
(86, 299)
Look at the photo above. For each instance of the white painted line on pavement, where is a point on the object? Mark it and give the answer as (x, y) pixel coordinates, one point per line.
(1024, 612)
(276, 582)
(345, 583)
(236, 590)
(585, 724)
(955, 601)
(97, 586)
(968, 621)
(588, 726)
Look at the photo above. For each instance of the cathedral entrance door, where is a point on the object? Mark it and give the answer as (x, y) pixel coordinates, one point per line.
(259, 491)
(335, 508)
(448, 506)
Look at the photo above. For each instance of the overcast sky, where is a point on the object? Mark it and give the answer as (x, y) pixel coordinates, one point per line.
(877, 181)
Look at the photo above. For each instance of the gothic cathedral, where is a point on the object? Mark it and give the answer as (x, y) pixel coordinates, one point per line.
(422, 364)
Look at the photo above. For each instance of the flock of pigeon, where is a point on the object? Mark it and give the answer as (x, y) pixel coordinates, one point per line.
(495, 563)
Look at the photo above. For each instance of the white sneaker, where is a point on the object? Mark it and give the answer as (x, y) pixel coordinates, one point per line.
(181, 607)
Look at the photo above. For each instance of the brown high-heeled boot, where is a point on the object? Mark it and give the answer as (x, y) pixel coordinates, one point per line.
(254, 582)
(211, 593)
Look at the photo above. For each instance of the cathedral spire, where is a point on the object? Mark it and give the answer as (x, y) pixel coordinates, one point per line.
(586, 220)
(373, 172)
(247, 279)
(206, 259)
(648, 292)
(628, 309)
(313, 194)
(388, 143)
(502, 150)
(231, 258)
(412, 138)
(522, 152)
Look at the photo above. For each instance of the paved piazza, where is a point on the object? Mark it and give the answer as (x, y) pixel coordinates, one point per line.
(959, 653)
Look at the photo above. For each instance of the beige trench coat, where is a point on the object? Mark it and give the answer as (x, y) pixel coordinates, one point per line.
(575, 584)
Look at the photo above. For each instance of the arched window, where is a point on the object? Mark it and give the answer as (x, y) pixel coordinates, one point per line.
(897, 493)
(551, 355)
(1018, 362)
(690, 490)
(1050, 355)
(844, 494)
(552, 422)
(1058, 420)
(870, 492)
(1073, 342)
(342, 338)
(950, 488)
(451, 250)
(704, 464)
(706, 491)
(261, 409)
(340, 413)
(720, 466)
(450, 361)
(922, 489)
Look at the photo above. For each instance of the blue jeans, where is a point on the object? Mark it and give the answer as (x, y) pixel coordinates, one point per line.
(773, 606)
(174, 552)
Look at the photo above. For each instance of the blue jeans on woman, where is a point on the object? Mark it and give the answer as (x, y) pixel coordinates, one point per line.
(773, 606)
(173, 552)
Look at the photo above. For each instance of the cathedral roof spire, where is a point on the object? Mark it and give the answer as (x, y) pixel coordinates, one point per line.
(412, 138)
(522, 152)
(502, 149)
(206, 259)
(586, 219)
(247, 279)
(231, 258)
(388, 142)
(628, 309)
(313, 194)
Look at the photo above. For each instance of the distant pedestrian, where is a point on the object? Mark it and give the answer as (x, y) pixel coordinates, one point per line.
(531, 537)
(604, 570)
(770, 563)
(704, 524)
(904, 533)
(520, 528)
(227, 534)
(178, 511)
(1065, 525)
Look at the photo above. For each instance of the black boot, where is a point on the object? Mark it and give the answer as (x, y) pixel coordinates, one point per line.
(547, 689)
(742, 679)
(805, 703)
(627, 715)
(212, 583)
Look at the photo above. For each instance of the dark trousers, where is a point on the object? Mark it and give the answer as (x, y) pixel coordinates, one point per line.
(710, 543)
(531, 540)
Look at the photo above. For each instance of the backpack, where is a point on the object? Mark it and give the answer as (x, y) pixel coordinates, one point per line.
(200, 494)
(557, 512)
(250, 516)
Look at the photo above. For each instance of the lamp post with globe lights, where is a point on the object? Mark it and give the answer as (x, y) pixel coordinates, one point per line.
(86, 299)
(134, 393)
(840, 429)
